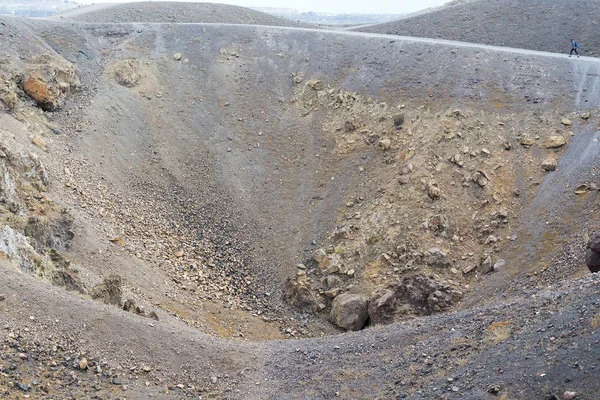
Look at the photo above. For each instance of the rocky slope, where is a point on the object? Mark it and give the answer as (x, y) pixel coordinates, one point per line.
(256, 182)
(529, 24)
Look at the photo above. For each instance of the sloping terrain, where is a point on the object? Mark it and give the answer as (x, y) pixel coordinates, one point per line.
(168, 183)
(529, 24)
(156, 11)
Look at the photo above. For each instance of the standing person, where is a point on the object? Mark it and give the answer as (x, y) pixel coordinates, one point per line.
(574, 46)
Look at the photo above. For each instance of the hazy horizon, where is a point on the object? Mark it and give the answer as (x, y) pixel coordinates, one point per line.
(332, 6)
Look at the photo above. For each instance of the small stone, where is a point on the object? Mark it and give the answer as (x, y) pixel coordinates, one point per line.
(549, 164)
(350, 272)
(569, 395)
(433, 191)
(403, 180)
(177, 56)
(566, 121)
(23, 356)
(507, 145)
(301, 266)
(38, 141)
(406, 169)
(213, 379)
(493, 389)
(555, 142)
(385, 144)
(486, 265)
(398, 121)
(526, 142)
(83, 364)
(499, 265)
(587, 115)
(2, 297)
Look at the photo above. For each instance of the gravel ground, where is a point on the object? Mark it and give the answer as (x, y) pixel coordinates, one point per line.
(527, 24)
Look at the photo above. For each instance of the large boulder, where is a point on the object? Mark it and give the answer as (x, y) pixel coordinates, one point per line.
(592, 260)
(349, 311)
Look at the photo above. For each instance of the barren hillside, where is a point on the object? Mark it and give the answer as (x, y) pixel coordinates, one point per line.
(156, 11)
(179, 198)
(527, 24)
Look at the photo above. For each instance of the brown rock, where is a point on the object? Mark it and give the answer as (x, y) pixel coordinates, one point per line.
(555, 142)
(47, 97)
(349, 311)
(38, 141)
(50, 81)
(298, 294)
(433, 191)
(127, 72)
(109, 291)
(526, 142)
(385, 144)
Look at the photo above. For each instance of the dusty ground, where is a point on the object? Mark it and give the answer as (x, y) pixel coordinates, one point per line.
(529, 24)
(201, 163)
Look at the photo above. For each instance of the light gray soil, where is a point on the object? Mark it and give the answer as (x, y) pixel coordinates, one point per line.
(528, 24)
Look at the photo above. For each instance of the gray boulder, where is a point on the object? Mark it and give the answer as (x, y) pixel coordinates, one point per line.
(382, 307)
(592, 260)
(349, 311)
(594, 243)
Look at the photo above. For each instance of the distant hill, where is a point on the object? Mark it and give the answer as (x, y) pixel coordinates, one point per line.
(327, 18)
(35, 8)
(529, 24)
(158, 11)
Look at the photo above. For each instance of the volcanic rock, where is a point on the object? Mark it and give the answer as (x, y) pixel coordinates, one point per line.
(349, 311)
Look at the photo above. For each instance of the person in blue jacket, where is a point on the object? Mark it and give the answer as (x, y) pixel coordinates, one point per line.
(574, 46)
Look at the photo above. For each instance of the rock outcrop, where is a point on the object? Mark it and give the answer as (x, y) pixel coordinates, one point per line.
(414, 295)
(49, 80)
(298, 294)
